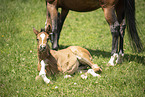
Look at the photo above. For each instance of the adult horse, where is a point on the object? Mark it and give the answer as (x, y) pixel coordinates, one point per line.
(115, 11)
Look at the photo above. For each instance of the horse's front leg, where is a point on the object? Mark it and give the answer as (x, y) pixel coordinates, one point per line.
(48, 25)
(61, 19)
(114, 27)
(42, 72)
(39, 66)
(52, 17)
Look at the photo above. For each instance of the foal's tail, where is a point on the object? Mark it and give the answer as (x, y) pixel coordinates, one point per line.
(131, 25)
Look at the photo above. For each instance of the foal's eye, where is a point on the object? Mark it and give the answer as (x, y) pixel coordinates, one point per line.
(37, 39)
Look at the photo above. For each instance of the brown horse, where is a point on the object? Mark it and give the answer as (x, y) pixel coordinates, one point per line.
(115, 11)
(66, 60)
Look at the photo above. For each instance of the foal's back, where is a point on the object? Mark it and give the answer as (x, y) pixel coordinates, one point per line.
(66, 61)
(69, 59)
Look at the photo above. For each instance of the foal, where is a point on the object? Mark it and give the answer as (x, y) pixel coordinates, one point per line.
(65, 61)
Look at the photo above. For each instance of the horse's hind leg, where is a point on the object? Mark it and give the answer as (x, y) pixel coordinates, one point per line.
(120, 11)
(85, 60)
(121, 34)
(84, 57)
(111, 18)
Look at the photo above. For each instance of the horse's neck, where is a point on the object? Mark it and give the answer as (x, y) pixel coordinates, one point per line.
(43, 55)
(50, 60)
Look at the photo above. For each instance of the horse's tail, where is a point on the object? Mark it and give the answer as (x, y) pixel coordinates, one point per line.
(131, 25)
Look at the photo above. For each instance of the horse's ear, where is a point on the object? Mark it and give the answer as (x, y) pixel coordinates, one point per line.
(42, 30)
(48, 29)
(35, 31)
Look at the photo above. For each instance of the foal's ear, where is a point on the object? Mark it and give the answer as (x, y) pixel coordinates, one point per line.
(35, 31)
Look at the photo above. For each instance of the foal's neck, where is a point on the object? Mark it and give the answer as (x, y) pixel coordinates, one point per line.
(45, 54)
(50, 61)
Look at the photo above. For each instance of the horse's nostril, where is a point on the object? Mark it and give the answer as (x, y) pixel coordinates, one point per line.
(42, 47)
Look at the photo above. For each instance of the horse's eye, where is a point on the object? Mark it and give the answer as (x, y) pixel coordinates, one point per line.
(37, 39)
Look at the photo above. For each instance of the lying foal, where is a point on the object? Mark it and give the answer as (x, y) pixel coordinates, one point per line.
(66, 60)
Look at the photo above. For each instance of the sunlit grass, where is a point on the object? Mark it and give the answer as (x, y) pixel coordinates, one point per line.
(18, 53)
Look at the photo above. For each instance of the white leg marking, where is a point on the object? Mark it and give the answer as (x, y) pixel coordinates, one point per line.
(112, 60)
(78, 57)
(42, 72)
(91, 71)
(46, 80)
(67, 76)
(120, 58)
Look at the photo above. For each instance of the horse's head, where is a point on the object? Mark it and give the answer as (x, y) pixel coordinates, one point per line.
(42, 39)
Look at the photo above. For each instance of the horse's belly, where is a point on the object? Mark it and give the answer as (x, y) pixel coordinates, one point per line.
(67, 61)
(80, 5)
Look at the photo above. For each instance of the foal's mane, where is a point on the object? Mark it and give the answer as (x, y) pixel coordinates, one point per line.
(42, 30)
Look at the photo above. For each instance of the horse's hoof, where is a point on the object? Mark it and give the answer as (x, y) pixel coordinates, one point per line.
(67, 76)
(37, 78)
(110, 64)
(96, 68)
(91, 71)
(112, 61)
(55, 48)
(120, 59)
(50, 82)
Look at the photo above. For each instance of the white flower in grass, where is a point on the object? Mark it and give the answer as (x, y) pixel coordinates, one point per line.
(75, 83)
(30, 51)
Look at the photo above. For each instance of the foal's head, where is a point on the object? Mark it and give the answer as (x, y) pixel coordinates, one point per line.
(42, 39)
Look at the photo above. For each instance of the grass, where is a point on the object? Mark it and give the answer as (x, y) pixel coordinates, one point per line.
(18, 53)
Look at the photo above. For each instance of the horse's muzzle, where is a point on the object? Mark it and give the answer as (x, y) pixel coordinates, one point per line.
(42, 48)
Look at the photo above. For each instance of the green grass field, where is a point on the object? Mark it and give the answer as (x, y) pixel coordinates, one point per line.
(18, 53)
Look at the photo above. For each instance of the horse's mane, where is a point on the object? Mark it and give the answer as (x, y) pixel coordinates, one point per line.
(42, 30)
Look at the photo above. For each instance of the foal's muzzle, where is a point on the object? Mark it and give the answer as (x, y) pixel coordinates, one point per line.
(42, 47)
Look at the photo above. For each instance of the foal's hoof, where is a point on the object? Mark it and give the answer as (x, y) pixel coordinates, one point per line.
(96, 68)
(37, 78)
(50, 82)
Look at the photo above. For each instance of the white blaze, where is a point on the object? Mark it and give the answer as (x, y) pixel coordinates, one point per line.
(42, 36)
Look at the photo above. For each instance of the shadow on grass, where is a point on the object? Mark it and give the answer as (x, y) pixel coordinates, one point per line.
(105, 54)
